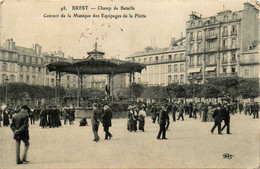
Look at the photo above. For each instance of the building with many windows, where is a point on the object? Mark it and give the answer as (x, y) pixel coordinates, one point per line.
(163, 66)
(223, 45)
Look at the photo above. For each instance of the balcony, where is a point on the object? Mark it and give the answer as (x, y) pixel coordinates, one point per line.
(230, 47)
(224, 34)
(211, 75)
(212, 36)
(228, 74)
(195, 77)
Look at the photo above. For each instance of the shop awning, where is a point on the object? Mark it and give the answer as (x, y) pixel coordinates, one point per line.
(210, 69)
(194, 70)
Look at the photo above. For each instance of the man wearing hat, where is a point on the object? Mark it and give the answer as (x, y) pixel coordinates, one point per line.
(95, 119)
(142, 115)
(19, 126)
(107, 116)
(217, 119)
(163, 120)
(226, 117)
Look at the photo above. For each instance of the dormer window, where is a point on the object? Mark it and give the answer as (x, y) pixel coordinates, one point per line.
(225, 18)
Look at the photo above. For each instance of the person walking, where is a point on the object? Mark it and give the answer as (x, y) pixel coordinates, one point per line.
(163, 120)
(20, 128)
(181, 110)
(106, 118)
(95, 119)
(5, 118)
(241, 107)
(217, 119)
(225, 114)
(142, 115)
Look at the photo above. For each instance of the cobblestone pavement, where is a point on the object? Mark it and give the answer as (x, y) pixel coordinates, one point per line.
(190, 145)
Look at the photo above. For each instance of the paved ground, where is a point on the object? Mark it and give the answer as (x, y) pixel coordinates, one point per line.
(190, 145)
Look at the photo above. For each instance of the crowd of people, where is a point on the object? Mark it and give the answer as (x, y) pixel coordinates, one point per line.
(136, 114)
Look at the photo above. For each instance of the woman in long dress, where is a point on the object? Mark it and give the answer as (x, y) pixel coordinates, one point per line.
(210, 112)
(5, 118)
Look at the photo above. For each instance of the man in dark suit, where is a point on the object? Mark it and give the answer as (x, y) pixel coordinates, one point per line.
(163, 121)
(95, 119)
(181, 110)
(107, 116)
(217, 119)
(19, 126)
(226, 117)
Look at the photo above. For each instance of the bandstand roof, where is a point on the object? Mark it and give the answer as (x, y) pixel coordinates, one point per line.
(96, 66)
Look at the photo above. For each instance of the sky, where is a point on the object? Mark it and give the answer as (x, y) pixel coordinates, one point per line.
(24, 21)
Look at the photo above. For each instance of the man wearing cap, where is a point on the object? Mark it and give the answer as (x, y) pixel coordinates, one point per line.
(217, 119)
(95, 119)
(19, 126)
(107, 116)
(163, 120)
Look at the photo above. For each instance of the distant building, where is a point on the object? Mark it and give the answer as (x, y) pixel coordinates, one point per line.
(223, 45)
(163, 66)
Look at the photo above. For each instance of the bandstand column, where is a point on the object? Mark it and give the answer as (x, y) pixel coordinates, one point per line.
(112, 85)
(78, 91)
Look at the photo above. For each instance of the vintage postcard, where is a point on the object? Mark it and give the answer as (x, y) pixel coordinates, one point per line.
(129, 84)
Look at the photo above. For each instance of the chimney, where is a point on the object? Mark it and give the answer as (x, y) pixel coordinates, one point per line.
(12, 44)
(37, 48)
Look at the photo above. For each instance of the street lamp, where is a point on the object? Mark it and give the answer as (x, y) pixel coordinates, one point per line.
(6, 82)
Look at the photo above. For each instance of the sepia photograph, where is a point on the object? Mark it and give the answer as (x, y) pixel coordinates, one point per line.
(129, 84)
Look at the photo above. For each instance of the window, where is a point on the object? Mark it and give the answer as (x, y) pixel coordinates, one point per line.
(211, 32)
(211, 59)
(176, 78)
(200, 22)
(199, 60)
(33, 69)
(169, 78)
(150, 80)
(182, 57)
(27, 79)
(21, 78)
(225, 31)
(11, 56)
(233, 57)
(21, 68)
(4, 55)
(156, 69)
(170, 57)
(162, 69)
(144, 60)
(175, 68)
(162, 58)
(156, 59)
(39, 70)
(4, 66)
(52, 82)
(246, 72)
(33, 60)
(47, 81)
(162, 80)
(191, 60)
(191, 36)
(182, 78)
(234, 16)
(211, 45)
(199, 47)
(191, 47)
(199, 35)
(4, 77)
(12, 67)
(12, 78)
(150, 60)
(233, 69)
(225, 57)
(224, 43)
(28, 59)
(225, 18)
(182, 67)
(169, 68)
(33, 80)
(139, 60)
(233, 42)
(234, 30)
(224, 69)
(175, 57)
(27, 68)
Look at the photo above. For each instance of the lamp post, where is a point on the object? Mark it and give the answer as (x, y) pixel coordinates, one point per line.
(6, 82)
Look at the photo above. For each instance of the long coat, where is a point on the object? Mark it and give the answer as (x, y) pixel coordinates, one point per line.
(217, 116)
(96, 116)
(107, 116)
(20, 122)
